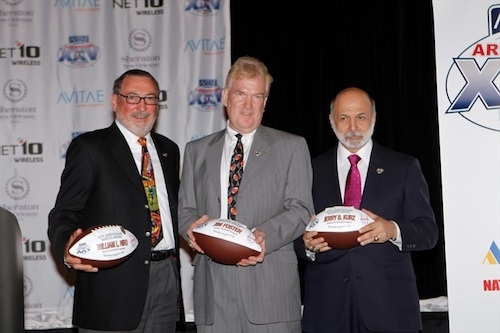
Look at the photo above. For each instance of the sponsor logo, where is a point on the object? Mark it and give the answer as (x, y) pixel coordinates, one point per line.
(14, 17)
(34, 250)
(493, 255)
(28, 286)
(473, 80)
(12, 2)
(492, 258)
(207, 96)
(82, 98)
(141, 7)
(203, 7)
(23, 151)
(80, 5)
(79, 52)
(15, 91)
(17, 188)
(21, 55)
(140, 41)
(206, 46)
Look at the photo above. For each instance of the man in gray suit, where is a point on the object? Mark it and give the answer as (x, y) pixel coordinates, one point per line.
(261, 293)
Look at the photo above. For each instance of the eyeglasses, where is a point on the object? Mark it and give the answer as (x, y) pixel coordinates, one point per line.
(136, 99)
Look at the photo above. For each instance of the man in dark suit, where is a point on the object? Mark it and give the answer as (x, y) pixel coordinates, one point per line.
(260, 293)
(371, 287)
(102, 184)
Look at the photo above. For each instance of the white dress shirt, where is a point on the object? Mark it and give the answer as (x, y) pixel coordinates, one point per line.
(167, 242)
(227, 152)
(344, 165)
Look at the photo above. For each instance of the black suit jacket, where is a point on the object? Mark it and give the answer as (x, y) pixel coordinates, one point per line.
(101, 185)
(379, 275)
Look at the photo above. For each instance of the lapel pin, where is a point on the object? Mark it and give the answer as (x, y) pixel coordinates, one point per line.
(164, 154)
(257, 153)
(380, 170)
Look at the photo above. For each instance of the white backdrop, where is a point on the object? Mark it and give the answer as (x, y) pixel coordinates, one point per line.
(58, 61)
(468, 78)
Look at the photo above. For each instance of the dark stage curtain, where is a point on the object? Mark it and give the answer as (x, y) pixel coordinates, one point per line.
(315, 48)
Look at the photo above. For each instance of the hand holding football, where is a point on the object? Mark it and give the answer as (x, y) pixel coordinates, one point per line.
(339, 226)
(226, 241)
(104, 246)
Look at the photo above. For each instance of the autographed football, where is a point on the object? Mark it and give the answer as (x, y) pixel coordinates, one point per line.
(226, 241)
(104, 246)
(339, 226)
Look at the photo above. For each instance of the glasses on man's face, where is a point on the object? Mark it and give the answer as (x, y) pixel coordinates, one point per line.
(136, 99)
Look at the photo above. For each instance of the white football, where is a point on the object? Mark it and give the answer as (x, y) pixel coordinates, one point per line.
(339, 226)
(104, 246)
(226, 241)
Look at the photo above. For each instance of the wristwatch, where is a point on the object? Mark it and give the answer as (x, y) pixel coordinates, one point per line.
(310, 254)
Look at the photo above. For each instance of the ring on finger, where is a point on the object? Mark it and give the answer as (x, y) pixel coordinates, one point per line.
(375, 238)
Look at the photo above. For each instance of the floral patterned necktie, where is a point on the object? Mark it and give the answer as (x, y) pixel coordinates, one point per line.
(235, 174)
(148, 180)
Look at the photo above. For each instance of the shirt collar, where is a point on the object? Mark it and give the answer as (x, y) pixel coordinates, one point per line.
(131, 137)
(364, 152)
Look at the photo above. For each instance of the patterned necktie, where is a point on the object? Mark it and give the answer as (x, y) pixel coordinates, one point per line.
(148, 180)
(352, 195)
(235, 174)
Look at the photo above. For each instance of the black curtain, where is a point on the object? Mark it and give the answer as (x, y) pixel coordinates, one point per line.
(315, 48)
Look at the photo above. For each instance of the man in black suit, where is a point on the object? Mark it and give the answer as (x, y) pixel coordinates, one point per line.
(371, 287)
(102, 184)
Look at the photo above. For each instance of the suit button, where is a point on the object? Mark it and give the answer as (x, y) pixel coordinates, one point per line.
(146, 262)
(148, 234)
(346, 279)
(146, 206)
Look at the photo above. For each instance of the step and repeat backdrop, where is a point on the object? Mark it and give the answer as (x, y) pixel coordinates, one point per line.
(467, 35)
(58, 61)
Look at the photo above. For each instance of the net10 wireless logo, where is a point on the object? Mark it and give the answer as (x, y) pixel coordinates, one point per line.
(23, 151)
(22, 55)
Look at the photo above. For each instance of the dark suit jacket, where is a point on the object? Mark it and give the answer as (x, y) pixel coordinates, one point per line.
(380, 275)
(101, 185)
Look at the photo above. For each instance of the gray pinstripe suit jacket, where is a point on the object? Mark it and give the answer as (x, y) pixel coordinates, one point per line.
(275, 196)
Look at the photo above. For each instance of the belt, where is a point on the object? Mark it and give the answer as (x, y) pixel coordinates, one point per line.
(162, 255)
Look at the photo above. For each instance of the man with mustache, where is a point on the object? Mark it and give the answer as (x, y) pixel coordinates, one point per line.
(371, 287)
(102, 184)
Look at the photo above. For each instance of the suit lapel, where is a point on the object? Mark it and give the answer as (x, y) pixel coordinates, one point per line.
(332, 180)
(213, 160)
(164, 156)
(258, 154)
(121, 151)
(373, 178)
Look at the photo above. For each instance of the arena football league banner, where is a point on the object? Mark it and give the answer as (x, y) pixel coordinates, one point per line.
(467, 37)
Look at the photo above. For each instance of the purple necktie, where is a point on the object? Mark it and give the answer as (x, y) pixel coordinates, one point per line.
(235, 174)
(352, 195)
